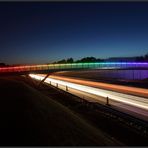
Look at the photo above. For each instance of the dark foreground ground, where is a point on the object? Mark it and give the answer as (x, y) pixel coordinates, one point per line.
(27, 117)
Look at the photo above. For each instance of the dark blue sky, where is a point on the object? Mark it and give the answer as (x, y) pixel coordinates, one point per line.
(46, 32)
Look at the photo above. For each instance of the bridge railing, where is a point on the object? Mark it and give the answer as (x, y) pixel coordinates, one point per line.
(100, 65)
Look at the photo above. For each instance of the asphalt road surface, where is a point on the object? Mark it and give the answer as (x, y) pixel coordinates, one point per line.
(29, 118)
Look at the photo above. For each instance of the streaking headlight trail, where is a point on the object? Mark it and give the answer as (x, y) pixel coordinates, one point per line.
(135, 101)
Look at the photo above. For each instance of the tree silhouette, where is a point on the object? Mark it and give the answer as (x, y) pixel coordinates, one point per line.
(2, 64)
(70, 60)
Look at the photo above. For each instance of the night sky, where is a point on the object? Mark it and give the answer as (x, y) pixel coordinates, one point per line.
(33, 33)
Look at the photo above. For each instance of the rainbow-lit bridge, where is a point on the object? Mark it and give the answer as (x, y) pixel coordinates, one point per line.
(47, 68)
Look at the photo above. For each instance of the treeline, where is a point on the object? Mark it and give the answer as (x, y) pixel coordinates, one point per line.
(93, 59)
(2, 65)
(142, 58)
(83, 60)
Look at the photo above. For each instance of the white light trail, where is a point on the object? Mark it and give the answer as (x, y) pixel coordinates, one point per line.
(135, 101)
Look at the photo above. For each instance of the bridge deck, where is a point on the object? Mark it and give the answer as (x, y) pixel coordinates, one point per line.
(71, 66)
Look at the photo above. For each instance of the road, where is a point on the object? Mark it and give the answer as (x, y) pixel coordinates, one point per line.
(30, 118)
(118, 88)
(127, 99)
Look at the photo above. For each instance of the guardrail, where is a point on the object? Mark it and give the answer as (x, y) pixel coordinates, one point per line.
(100, 65)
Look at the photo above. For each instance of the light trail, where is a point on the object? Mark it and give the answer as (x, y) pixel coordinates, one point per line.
(113, 87)
(135, 101)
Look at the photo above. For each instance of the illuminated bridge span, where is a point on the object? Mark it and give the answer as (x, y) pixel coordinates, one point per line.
(73, 66)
